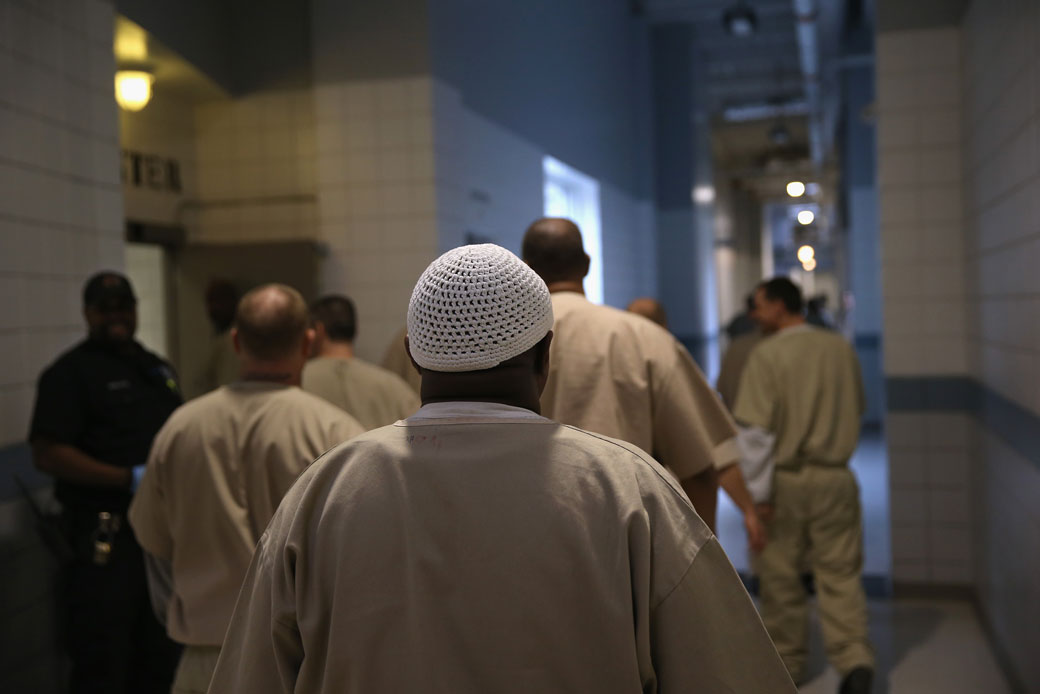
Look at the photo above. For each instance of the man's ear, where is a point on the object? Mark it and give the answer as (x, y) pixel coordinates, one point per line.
(236, 342)
(541, 355)
(585, 266)
(418, 369)
(307, 342)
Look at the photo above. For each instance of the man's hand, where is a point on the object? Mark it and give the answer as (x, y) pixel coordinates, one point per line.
(765, 512)
(70, 464)
(756, 531)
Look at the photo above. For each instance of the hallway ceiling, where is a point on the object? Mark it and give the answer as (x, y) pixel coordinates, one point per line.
(763, 67)
(752, 84)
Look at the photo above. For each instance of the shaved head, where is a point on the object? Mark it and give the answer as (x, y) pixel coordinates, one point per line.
(649, 308)
(552, 247)
(272, 322)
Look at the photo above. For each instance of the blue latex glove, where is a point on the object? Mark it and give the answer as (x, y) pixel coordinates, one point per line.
(138, 474)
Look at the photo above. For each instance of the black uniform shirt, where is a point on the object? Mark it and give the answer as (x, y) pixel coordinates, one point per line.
(108, 404)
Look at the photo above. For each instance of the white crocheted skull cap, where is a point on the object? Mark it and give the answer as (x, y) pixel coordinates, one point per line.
(474, 308)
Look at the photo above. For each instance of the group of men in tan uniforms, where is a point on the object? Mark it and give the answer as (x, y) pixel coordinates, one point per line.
(471, 542)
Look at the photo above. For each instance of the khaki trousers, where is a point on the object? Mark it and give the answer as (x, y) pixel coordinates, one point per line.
(817, 523)
(195, 670)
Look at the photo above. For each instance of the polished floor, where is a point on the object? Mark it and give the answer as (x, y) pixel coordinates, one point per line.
(923, 647)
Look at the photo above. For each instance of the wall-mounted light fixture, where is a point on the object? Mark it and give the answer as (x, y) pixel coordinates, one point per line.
(134, 88)
(806, 253)
(806, 217)
(809, 265)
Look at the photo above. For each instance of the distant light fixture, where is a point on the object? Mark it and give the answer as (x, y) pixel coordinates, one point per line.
(740, 20)
(806, 217)
(809, 265)
(796, 189)
(133, 89)
(806, 253)
(703, 195)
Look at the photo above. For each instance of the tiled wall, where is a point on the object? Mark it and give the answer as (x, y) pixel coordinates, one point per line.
(919, 177)
(377, 208)
(1001, 87)
(925, 319)
(61, 219)
(165, 129)
(61, 214)
(964, 484)
(256, 169)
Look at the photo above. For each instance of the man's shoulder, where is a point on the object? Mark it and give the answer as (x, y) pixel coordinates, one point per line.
(70, 359)
(641, 331)
(303, 404)
(377, 374)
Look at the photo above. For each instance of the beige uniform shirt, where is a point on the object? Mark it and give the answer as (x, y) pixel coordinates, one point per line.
(481, 548)
(216, 473)
(803, 385)
(221, 368)
(733, 363)
(396, 360)
(373, 396)
(622, 375)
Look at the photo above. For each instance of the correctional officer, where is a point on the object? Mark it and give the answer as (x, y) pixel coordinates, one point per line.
(98, 407)
(801, 392)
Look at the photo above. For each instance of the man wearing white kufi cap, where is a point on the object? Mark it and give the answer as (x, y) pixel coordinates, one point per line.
(479, 547)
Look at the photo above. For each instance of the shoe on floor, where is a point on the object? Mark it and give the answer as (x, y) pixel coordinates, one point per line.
(858, 681)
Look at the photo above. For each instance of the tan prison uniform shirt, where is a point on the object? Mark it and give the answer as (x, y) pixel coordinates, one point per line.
(619, 374)
(396, 360)
(373, 396)
(216, 473)
(733, 363)
(803, 385)
(221, 368)
(482, 548)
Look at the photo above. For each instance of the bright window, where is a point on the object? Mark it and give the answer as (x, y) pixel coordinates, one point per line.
(571, 194)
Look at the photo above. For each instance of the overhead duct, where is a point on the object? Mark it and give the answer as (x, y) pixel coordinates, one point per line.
(806, 30)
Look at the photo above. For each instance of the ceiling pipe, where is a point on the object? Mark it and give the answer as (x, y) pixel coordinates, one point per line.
(806, 30)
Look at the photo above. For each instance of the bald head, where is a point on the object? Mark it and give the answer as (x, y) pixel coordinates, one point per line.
(272, 322)
(650, 308)
(552, 247)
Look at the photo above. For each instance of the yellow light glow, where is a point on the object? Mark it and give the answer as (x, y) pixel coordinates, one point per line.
(806, 253)
(133, 89)
(806, 217)
(809, 265)
(796, 189)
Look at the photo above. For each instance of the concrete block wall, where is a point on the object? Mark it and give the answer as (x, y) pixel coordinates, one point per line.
(61, 219)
